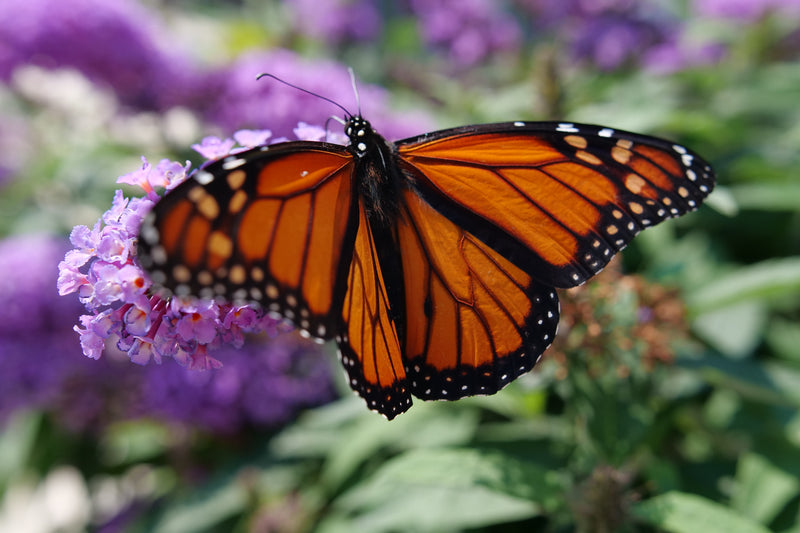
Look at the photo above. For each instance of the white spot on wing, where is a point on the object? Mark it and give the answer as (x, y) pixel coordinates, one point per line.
(567, 127)
(605, 132)
(229, 163)
(203, 178)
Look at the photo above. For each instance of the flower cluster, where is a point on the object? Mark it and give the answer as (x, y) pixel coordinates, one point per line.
(746, 10)
(468, 30)
(619, 321)
(115, 291)
(262, 385)
(35, 335)
(118, 44)
(240, 102)
(336, 21)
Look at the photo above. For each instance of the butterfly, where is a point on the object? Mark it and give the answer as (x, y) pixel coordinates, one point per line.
(433, 261)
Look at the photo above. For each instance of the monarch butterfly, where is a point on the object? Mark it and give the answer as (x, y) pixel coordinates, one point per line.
(433, 260)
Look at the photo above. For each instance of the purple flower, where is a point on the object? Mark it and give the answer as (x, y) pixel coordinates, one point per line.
(610, 34)
(612, 40)
(119, 44)
(214, 148)
(676, 54)
(35, 324)
(263, 384)
(243, 102)
(167, 175)
(336, 21)
(467, 31)
(115, 291)
(746, 10)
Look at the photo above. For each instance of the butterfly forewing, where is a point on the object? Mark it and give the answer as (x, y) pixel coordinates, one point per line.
(558, 199)
(272, 225)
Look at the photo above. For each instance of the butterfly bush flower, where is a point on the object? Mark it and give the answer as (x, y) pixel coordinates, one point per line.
(35, 334)
(239, 101)
(336, 21)
(264, 384)
(261, 384)
(119, 44)
(609, 34)
(115, 291)
(467, 31)
(746, 10)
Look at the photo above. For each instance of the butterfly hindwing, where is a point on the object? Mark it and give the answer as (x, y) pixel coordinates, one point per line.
(368, 343)
(559, 199)
(273, 225)
(474, 321)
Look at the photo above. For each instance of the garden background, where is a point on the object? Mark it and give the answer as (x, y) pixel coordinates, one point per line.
(668, 403)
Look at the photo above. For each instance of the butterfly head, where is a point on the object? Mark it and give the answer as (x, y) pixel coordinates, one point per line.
(360, 133)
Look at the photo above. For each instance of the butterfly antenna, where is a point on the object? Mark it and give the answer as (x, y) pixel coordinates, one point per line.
(355, 88)
(274, 77)
(327, 122)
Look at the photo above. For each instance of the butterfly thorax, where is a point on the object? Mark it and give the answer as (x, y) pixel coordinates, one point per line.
(378, 178)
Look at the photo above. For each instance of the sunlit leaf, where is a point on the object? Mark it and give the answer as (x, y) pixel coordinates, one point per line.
(770, 279)
(445, 489)
(762, 489)
(679, 512)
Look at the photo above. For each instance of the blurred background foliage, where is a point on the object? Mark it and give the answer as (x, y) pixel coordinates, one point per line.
(668, 403)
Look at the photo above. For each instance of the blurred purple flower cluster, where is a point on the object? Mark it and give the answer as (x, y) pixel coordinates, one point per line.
(123, 46)
(242, 102)
(263, 384)
(118, 44)
(746, 10)
(336, 21)
(617, 33)
(36, 341)
(609, 33)
(468, 31)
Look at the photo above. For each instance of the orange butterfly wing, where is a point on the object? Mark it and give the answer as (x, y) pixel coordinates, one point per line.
(557, 199)
(453, 296)
(369, 346)
(272, 225)
(474, 321)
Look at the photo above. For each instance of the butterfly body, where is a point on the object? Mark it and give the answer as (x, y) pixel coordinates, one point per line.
(432, 261)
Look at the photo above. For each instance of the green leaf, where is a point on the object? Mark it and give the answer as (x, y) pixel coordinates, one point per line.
(446, 489)
(213, 504)
(680, 512)
(770, 279)
(771, 383)
(783, 336)
(768, 196)
(762, 489)
(734, 330)
(426, 425)
(17, 441)
(135, 441)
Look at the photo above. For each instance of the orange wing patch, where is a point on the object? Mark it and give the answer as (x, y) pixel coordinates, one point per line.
(369, 347)
(287, 220)
(558, 200)
(474, 321)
